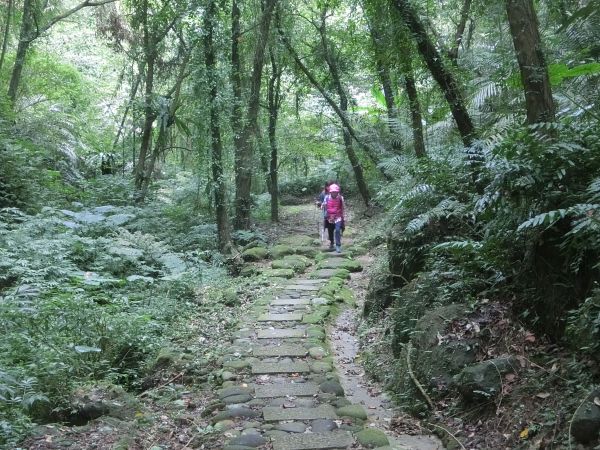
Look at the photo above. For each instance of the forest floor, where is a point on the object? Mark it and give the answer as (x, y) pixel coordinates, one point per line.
(336, 406)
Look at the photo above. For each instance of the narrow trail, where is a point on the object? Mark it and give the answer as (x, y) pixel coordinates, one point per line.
(293, 384)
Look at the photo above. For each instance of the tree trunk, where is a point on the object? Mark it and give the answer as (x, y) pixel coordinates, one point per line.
(274, 102)
(236, 82)
(244, 153)
(9, 9)
(415, 115)
(335, 75)
(149, 118)
(532, 64)
(438, 70)
(25, 38)
(383, 71)
(223, 232)
(460, 31)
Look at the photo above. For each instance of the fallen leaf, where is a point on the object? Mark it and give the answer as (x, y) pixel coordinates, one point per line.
(554, 368)
(522, 361)
(597, 401)
(543, 395)
(510, 377)
(529, 337)
(524, 434)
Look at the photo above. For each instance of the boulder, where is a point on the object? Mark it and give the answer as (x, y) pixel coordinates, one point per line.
(255, 254)
(372, 438)
(482, 381)
(586, 421)
(279, 251)
(352, 411)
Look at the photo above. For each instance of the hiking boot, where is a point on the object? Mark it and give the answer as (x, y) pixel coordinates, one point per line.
(331, 247)
(338, 249)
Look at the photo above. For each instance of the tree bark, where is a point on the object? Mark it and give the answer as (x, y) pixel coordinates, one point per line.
(274, 102)
(342, 116)
(460, 31)
(532, 64)
(415, 115)
(9, 9)
(383, 72)
(244, 153)
(438, 70)
(25, 38)
(335, 75)
(223, 230)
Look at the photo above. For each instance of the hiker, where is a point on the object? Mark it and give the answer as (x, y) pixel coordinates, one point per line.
(319, 202)
(333, 207)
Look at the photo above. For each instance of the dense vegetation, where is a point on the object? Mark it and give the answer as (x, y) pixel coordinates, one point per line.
(141, 140)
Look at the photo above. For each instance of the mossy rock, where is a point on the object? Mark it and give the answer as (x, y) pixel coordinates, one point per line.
(297, 240)
(230, 297)
(352, 265)
(329, 290)
(356, 250)
(317, 317)
(280, 250)
(483, 381)
(315, 332)
(372, 438)
(167, 357)
(248, 271)
(309, 252)
(255, 254)
(279, 273)
(352, 411)
(297, 263)
(345, 295)
(344, 274)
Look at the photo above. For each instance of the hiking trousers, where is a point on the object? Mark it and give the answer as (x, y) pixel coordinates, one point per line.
(335, 229)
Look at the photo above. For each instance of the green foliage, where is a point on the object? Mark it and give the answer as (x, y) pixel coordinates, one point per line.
(583, 326)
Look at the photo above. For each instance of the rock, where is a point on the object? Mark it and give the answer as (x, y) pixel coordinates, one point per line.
(372, 438)
(167, 357)
(345, 295)
(278, 273)
(237, 364)
(252, 440)
(224, 425)
(297, 240)
(309, 252)
(353, 411)
(235, 412)
(279, 251)
(586, 422)
(316, 317)
(323, 425)
(296, 263)
(226, 375)
(320, 367)
(292, 427)
(332, 387)
(344, 274)
(315, 332)
(234, 390)
(317, 352)
(255, 254)
(318, 301)
(237, 399)
(482, 381)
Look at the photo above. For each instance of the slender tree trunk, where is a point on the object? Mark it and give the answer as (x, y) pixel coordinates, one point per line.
(342, 116)
(25, 38)
(223, 231)
(236, 82)
(460, 31)
(9, 9)
(244, 153)
(274, 102)
(149, 118)
(438, 70)
(534, 71)
(335, 75)
(127, 108)
(415, 115)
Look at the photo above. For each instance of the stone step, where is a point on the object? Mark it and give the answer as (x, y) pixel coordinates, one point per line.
(301, 287)
(313, 441)
(311, 281)
(290, 302)
(325, 272)
(259, 368)
(283, 390)
(279, 350)
(281, 333)
(275, 413)
(285, 317)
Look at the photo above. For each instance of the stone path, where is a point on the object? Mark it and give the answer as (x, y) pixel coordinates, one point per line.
(281, 389)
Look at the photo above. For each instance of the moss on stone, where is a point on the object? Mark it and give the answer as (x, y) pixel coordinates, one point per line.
(279, 251)
(372, 438)
(345, 295)
(298, 240)
(309, 252)
(317, 316)
(255, 254)
(351, 265)
(353, 411)
(279, 273)
(343, 274)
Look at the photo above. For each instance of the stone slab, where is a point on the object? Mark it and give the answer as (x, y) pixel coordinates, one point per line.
(290, 302)
(281, 333)
(310, 281)
(332, 263)
(274, 413)
(313, 441)
(326, 273)
(301, 287)
(283, 390)
(279, 350)
(286, 317)
(259, 368)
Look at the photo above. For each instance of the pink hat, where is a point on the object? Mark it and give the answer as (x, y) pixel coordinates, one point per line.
(334, 188)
